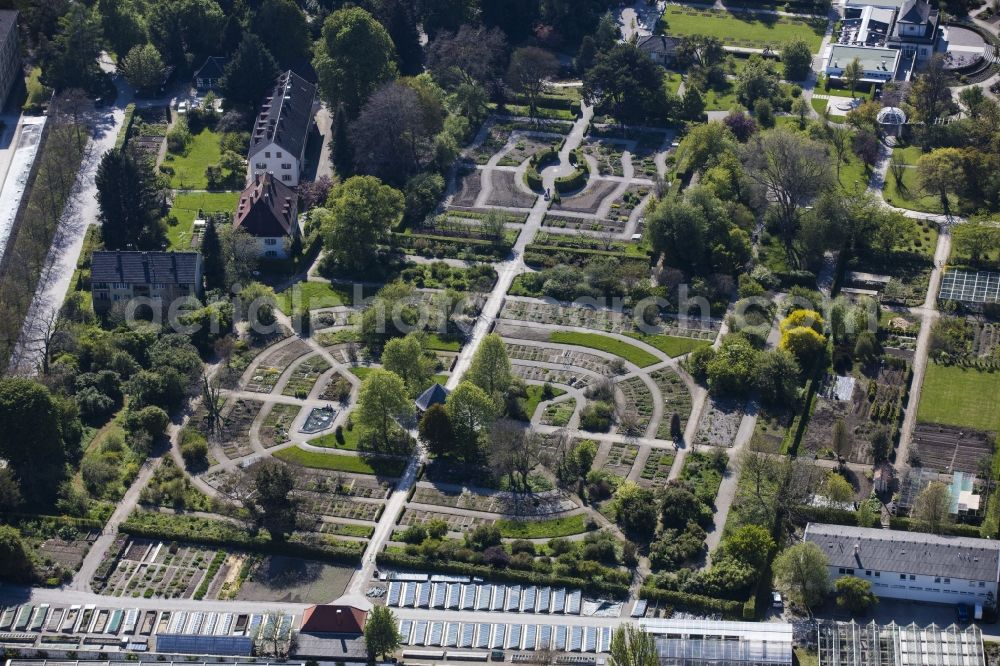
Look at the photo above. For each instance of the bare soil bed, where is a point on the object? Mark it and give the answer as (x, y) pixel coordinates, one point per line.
(949, 449)
(237, 416)
(294, 580)
(468, 186)
(524, 148)
(589, 199)
(277, 424)
(583, 223)
(720, 421)
(456, 523)
(506, 192)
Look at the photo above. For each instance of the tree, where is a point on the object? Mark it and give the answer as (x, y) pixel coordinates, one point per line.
(249, 74)
(804, 343)
(342, 154)
(405, 357)
(122, 24)
(184, 30)
(940, 172)
(211, 253)
(854, 594)
(732, 370)
(889, 228)
(471, 410)
(797, 58)
(692, 104)
(635, 511)
(466, 56)
(31, 438)
(359, 214)
(801, 572)
(837, 489)
(381, 401)
(70, 61)
(852, 74)
(792, 169)
(513, 453)
(282, 27)
(354, 55)
(800, 109)
(756, 81)
(625, 83)
(751, 544)
(381, 635)
(741, 124)
(398, 17)
(930, 94)
(678, 507)
(705, 145)
(241, 255)
(130, 201)
(10, 491)
(142, 67)
(778, 377)
(932, 507)
(972, 98)
(393, 137)
(841, 440)
(273, 505)
(436, 432)
(975, 240)
(15, 558)
(528, 73)
(490, 369)
(632, 646)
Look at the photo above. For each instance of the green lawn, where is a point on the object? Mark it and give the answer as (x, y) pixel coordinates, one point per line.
(911, 196)
(435, 342)
(313, 295)
(330, 441)
(961, 397)
(853, 175)
(185, 209)
(189, 168)
(541, 529)
(339, 462)
(720, 100)
(361, 371)
(742, 29)
(535, 398)
(672, 81)
(671, 345)
(631, 353)
(348, 529)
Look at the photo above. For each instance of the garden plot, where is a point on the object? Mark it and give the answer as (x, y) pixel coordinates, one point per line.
(468, 185)
(151, 569)
(622, 207)
(283, 579)
(620, 459)
(470, 215)
(456, 523)
(497, 137)
(986, 339)
(273, 364)
(532, 372)
(656, 471)
(949, 449)
(676, 400)
(336, 389)
(237, 417)
(643, 146)
(638, 399)
(570, 357)
(277, 423)
(583, 224)
(321, 481)
(720, 421)
(608, 153)
(325, 504)
(505, 191)
(537, 504)
(302, 380)
(589, 199)
(526, 147)
(559, 413)
(876, 403)
(601, 319)
(899, 330)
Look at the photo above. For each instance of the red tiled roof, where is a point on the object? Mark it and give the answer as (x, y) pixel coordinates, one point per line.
(334, 619)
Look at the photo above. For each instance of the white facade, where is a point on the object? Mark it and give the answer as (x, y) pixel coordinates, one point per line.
(273, 248)
(273, 159)
(917, 587)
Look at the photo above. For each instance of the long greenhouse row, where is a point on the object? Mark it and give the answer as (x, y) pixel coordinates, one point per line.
(484, 597)
(486, 636)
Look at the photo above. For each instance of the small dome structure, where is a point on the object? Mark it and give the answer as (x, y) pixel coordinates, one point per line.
(891, 115)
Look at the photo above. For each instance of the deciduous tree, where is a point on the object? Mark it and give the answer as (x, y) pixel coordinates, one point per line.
(801, 572)
(471, 410)
(854, 594)
(282, 27)
(797, 57)
(249, 74)
(381, 401)
(632, 646)
(529, 72)
(490, 369)
(358, 216)
(932, 507)
(142, 67)
(381, 636)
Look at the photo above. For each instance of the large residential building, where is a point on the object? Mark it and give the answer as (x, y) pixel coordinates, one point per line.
(268, 211)
(10, 54)
(911, 565)
(278, 141)
(159, 277)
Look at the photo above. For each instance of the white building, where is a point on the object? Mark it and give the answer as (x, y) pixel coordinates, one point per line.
(878, 65)
(911, 565)
(268, 211)
(278, 141)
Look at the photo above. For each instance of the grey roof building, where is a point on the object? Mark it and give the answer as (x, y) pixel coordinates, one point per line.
(268, 209)
(280, 134)
(661, 48)
(209, 75)
(435, 395)
(911, 565)
(158, 276)
(10, 54)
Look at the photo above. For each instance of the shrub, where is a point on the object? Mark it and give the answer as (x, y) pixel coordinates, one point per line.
(596, 417)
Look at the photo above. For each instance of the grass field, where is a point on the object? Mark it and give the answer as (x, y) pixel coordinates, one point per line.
(189, 168)
(535, 398)
(541, 529)
(435, 342)
(338, 462)
(960, 397)
(671, 345)
(911, 196)
(313, 295)
(628, 352)
(330, 441)
(742, 29)
(185, 209)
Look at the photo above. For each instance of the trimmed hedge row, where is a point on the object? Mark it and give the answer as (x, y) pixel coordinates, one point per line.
(546, 102)
(957, 529)
(186, 528)
(505, 575)
(696, 602)
(578, 178)
(126, 127)
(832, 516)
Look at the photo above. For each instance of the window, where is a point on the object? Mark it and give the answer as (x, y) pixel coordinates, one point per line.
(278, 154)
(868, 573)
(286, 165)
(286, 176)
(912, 577)
(270, 253)
(937, 580)
(878, 574)
(850, 572)
(902, 576)
(270, 241)
(261, 165)
(947, 580)
(267, 154)
(972, 583)
(982, 584)
(842, 570)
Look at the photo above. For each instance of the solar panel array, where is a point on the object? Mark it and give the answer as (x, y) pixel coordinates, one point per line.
(484, 597)
(970, 286)
(560, 638)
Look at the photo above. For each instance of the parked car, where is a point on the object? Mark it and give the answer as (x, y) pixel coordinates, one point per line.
(776, 600)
